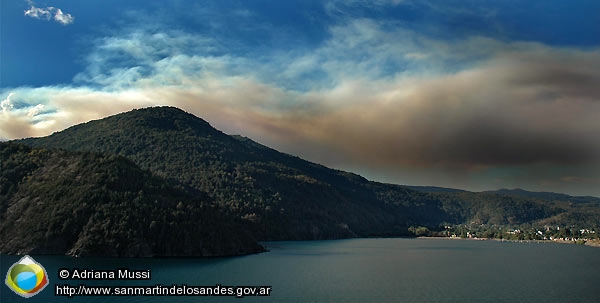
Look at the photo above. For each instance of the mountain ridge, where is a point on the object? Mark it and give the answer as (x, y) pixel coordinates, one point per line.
(549, 196)
(283, 197)
(214, 131)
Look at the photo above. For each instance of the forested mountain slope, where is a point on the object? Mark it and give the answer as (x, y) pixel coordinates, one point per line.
(283, 197)
(80, 203)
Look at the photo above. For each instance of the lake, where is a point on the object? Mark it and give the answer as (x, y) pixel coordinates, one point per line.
(360, 270)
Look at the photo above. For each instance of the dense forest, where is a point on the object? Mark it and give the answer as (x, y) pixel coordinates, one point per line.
(87, 204)
(276, 196)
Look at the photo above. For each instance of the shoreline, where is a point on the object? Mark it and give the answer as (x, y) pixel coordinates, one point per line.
(590, 243)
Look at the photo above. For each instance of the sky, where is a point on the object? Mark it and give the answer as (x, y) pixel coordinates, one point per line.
(477, 95)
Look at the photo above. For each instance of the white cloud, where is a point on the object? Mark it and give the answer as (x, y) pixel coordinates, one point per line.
(63, 18)
(344, 7)
(49, 13)
(34, 111)
(6, 104)
(38, 13)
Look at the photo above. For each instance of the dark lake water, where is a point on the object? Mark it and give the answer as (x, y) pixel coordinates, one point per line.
(361, 270)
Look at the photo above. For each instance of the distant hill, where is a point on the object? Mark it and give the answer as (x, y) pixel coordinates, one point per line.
(85, 204)
(282, 197)
(547, 196)
(435, 189)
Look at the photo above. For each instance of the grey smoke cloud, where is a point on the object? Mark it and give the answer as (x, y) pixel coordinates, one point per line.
(518, 109)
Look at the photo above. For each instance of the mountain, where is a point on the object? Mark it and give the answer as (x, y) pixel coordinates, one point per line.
(517, 192)
(87, 204)
(547, 196)
(282, 197)
(434, 189)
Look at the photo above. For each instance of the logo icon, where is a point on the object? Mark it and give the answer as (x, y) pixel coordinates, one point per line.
(26, 277)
